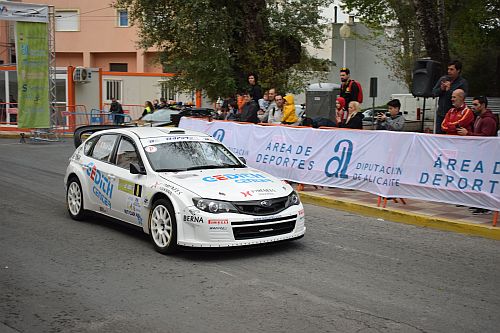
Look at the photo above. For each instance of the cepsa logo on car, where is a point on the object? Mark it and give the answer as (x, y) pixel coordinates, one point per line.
(103, 188)
(239, 178)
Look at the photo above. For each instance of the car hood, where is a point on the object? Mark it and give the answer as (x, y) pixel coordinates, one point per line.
(233, 184)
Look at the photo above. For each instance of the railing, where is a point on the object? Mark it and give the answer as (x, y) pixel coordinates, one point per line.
(133, 110)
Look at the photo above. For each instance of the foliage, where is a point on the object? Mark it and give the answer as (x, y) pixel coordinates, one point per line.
(468, 30)
(214, 44)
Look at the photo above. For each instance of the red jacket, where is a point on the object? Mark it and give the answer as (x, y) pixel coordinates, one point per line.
(461, 116)
(485, 124)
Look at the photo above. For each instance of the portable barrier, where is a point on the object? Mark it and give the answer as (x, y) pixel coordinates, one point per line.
(440, 168)
(133, 110)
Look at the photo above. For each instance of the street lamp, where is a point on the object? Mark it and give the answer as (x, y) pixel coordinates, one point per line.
(345, 32)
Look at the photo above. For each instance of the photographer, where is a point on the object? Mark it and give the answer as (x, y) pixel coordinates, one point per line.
(395, 121)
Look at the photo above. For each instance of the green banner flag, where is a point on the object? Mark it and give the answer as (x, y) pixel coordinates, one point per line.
(32, 48)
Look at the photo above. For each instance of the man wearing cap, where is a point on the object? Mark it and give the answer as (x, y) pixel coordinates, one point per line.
(349, 89)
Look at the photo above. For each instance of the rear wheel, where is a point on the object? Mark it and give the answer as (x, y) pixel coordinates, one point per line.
(74, 199)
(162, 227)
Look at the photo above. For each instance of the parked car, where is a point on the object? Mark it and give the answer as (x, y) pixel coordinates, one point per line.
(183, 188)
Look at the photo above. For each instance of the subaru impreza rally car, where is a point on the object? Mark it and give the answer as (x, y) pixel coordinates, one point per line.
(182, 187)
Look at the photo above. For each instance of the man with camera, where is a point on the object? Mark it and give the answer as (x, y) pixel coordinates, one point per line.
(395, 121)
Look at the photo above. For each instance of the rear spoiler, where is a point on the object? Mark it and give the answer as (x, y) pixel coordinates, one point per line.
(90, 129)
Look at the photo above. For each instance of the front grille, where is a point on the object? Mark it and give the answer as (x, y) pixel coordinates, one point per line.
(255, 207)
(260, 231)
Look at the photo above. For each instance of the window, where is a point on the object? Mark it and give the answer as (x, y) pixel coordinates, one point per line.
(104, 147)
(126, 154)
(118, 67)
(113, 89)
(67, 20)
(122, 16)
(89, 144)
(167, 91)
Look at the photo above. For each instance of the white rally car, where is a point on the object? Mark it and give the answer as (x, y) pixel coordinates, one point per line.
(183, 188)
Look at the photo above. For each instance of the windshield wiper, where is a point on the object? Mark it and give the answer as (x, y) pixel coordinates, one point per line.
(171, 170)
(213, 166)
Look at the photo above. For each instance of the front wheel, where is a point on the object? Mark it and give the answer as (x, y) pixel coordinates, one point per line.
(74, 199)
(162, 227)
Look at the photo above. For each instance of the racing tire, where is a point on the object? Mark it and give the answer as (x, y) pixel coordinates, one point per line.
(163, 227)
(74, 199)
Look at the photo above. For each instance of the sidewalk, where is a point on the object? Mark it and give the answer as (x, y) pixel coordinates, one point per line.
(416, 212)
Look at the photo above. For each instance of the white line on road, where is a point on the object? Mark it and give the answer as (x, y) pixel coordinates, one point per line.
(223, 272)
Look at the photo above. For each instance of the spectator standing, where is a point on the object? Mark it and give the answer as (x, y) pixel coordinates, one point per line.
(276, 112)
(395, 122)
(349, 88)
(254, 88)
(264, 101)
(250, 108)
(148, 108)
(485, 125)
(116, 109)
(272, 105)
(459, 115)
(354, 117)
(289, 113)
(156, 104)
(340, 111)
(444, 88)
(486, 122)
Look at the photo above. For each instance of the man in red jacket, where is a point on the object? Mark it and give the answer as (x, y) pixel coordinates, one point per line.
(485, 125)
(459, 116)
(486, 122)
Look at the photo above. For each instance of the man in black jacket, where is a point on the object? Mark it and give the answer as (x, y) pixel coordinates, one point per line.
(250, 109)
(116, 109)
(443, 89)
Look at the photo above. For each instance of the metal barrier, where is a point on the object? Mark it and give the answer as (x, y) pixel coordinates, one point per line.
(133, 110)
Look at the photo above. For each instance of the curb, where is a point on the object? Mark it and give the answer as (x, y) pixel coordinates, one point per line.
(404, 217)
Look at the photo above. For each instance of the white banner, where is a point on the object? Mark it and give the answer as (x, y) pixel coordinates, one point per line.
(450, 169)
(27, 12)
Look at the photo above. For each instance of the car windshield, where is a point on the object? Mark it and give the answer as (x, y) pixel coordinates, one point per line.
(190, 155)
(160, 115)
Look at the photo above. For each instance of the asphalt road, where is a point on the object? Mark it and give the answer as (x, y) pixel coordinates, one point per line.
(348, 274)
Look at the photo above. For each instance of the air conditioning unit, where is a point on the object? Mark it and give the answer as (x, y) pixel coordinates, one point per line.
(82, 75)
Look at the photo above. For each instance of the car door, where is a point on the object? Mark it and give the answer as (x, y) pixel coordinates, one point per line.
(128, 197)
(98, 182)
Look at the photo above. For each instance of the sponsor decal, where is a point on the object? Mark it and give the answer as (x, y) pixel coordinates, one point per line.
(103, 209)
(218, 221)
(238, 178)
(191, 218)
(165, 139)
(170, 189)
(301, 212)
(150, 149)
(129, 212)
(217, 228)
(129, 187)
(262, 191)
(102, 186)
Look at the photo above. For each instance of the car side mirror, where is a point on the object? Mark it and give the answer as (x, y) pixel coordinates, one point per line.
(243, 160)
(137, 169)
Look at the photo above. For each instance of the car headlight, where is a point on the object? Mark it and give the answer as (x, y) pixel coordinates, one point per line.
(214, 206)
(293, 199)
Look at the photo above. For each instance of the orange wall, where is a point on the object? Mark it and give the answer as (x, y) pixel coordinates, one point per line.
(100, 41)
(102, 60)
(69, 59)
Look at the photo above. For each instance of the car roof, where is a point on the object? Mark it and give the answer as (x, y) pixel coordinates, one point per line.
(154, 132)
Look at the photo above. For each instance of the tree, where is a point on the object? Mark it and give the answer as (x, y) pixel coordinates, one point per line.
(214, 44)
(468, 30)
